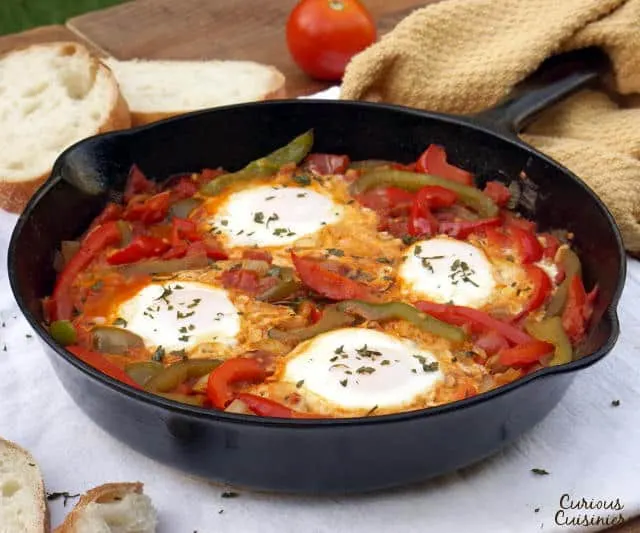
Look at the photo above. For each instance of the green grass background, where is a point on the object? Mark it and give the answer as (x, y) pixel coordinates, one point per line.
(18, 15)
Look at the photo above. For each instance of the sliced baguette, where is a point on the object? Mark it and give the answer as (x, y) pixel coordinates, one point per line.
(51, 96)
(160, 89)
(23, 506)
(112, 508)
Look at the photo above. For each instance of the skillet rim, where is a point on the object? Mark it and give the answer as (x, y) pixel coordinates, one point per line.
(201, 413)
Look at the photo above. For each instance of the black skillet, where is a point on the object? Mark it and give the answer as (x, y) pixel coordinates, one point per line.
(326, 456)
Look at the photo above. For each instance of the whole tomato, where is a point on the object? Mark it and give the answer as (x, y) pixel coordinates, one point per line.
(323, 35)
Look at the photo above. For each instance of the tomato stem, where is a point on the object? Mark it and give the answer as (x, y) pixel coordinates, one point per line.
(338, 5)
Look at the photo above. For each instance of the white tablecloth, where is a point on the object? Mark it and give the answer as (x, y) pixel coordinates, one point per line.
(590, 448)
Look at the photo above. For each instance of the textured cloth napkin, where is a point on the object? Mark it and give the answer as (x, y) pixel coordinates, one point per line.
(588, 446)
(463, 56)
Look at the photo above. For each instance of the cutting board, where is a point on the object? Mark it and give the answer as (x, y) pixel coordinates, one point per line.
(221, 29)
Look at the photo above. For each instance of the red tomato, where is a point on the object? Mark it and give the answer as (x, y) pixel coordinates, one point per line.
(241, 279)
(328, 283)
(461, 229)
(109, 213)
(323, 35)
(434, 161)
(385, 199)
(258, 255)
(551, 245)
(491, 342)
(421, 221)
(327, 163)
(181, 229)
(511, 220)
(149, 210)
(525, 354)
(137, 183)
(221, 379)
(498, 192)
(578, 309)
(186, 187)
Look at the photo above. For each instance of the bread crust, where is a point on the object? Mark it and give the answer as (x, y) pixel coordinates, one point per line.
(40, 494)
(141, 118)
(14, 195)
(101, 494)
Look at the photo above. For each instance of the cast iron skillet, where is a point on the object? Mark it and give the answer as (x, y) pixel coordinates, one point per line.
(325, 456)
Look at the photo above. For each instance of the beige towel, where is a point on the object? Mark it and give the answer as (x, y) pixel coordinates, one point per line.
(462, 56)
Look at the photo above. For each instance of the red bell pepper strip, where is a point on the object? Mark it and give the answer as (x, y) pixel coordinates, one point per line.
(525, 354)
(526, 244)
(578, 309)
(137, 183)
(461, 229)
(149, 210)
(434, 161)
(327, 163)
(498, 192)
(221, 379)
(176, 251)
(540, 289)
(478, 321)
(266, 407)
(101, 363)
(210, 248)
(95, 242)
(328, 283)
(141, 247)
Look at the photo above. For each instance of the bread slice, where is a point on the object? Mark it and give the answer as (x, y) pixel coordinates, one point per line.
(112, 508)
(23, 507)
(51, 96)
(160, 89)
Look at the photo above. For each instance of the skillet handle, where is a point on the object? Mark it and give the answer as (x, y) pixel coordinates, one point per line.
(556, 79)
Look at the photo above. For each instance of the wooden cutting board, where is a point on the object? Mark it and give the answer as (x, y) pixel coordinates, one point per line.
(221, 29)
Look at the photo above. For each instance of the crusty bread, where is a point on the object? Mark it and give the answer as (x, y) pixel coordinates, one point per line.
(112, 508)
(51, 96)
(160, 89)
(23, 507)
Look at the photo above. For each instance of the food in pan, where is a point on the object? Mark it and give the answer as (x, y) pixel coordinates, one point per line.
(307, 285)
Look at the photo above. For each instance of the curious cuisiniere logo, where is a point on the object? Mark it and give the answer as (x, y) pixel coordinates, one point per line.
(588, 512)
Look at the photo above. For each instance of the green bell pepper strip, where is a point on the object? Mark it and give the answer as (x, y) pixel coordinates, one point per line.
(196, 400)
(551, 330)
(142, 371)
(413, 181)
(294, 152)
(331, 319)
(571, 265)
(177, 373)
(63, 332)
(286, 286)
(402, 311)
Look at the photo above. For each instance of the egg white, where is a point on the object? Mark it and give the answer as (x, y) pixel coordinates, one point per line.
(357, 369)
(180, 315)
(446, 270)
(273, 216)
